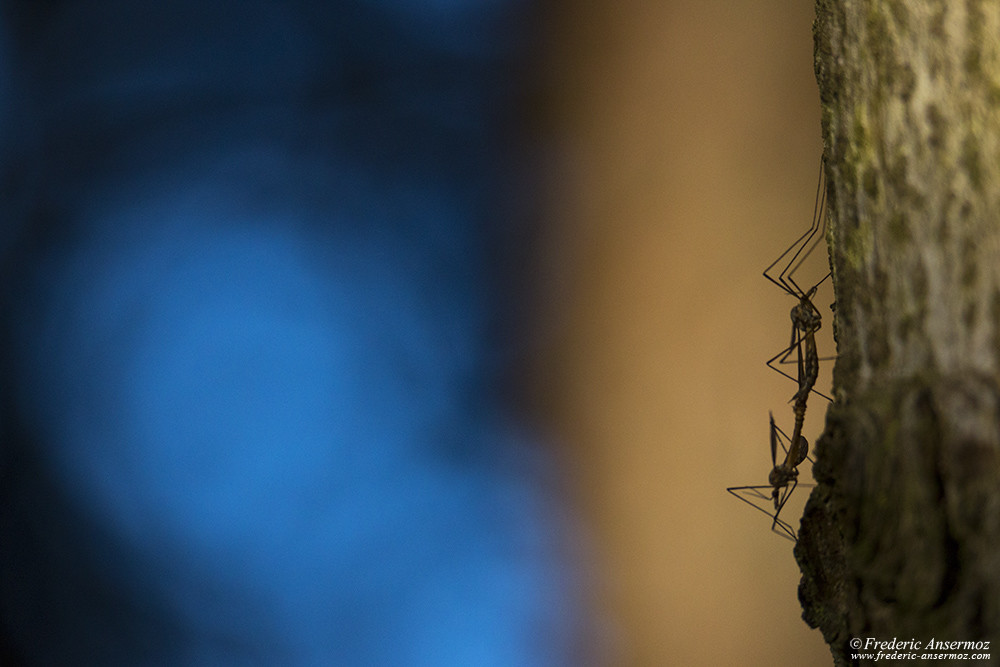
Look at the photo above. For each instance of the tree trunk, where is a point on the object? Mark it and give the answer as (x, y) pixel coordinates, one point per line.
(901, 538)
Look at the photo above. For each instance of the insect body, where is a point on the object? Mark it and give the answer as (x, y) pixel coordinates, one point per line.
(805, 323)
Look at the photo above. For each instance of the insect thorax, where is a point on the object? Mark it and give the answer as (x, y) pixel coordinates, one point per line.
(782, 475)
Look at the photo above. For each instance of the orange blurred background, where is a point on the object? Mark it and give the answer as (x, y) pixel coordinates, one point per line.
(686, 145)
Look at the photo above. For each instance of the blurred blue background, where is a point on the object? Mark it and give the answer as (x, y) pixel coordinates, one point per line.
(257, 320)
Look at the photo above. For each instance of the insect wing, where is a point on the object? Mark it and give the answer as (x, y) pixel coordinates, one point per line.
(782, 438)
(774, 440)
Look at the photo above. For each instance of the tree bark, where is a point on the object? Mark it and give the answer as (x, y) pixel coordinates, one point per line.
(901, 537)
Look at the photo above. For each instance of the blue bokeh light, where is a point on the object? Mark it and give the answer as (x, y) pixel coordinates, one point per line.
(249, 355)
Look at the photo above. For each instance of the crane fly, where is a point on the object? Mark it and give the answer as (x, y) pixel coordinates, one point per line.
(782, 481)
(806, 319)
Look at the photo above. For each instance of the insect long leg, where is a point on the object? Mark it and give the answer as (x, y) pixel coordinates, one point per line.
(762, 495)
(784, 529)
(816, 231)
(801, 248)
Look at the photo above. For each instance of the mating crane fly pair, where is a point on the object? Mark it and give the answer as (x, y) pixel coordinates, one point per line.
(806, 321)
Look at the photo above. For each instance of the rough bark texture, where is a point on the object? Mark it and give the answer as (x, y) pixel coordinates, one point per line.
(901, 537)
